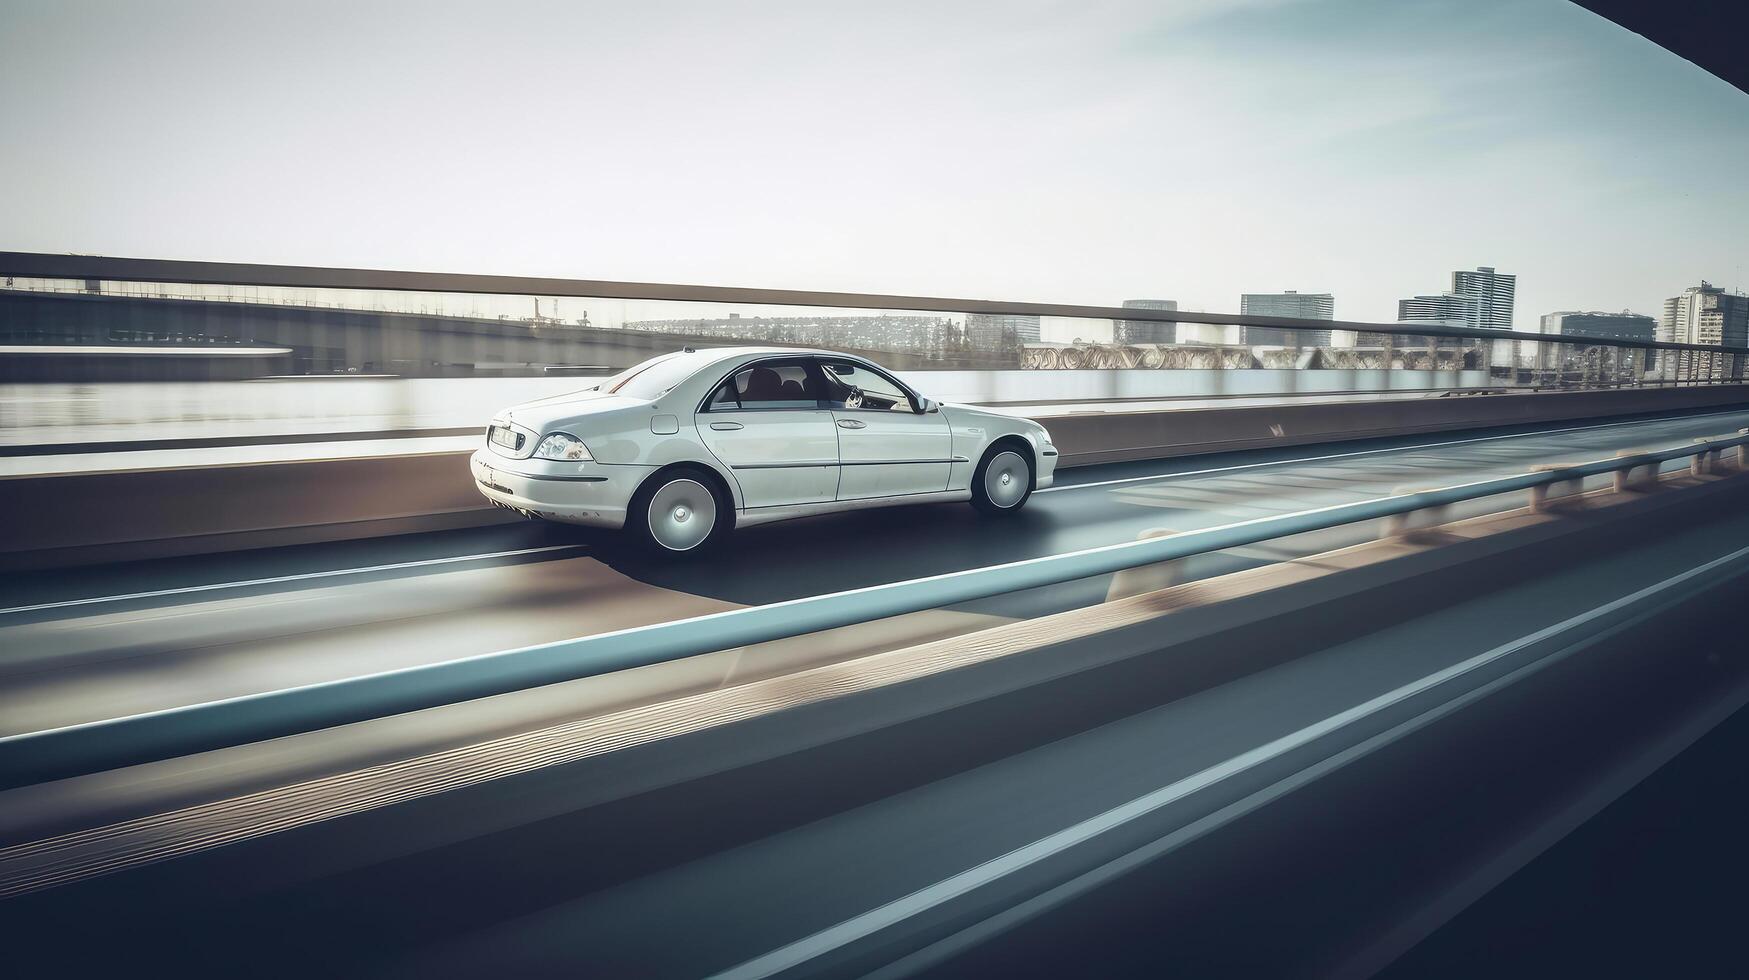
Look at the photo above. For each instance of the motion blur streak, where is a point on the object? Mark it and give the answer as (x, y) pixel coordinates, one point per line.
(946, 890)
(1360, 453)
(284, 579)
(37, 865)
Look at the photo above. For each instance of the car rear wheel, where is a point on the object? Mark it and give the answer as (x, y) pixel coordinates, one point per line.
(680, 512)
(1003, 482)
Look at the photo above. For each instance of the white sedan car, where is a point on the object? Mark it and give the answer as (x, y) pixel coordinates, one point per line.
(683, 447)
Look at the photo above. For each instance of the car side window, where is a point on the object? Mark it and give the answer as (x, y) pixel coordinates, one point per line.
(727, 398)
(855, 386)
(768, 384)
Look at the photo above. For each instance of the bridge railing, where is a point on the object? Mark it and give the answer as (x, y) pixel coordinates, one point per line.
(111, 351)
(109, 744)
(411, 324)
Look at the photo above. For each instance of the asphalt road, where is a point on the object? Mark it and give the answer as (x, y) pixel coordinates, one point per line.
(1312, 817)
(93, 643)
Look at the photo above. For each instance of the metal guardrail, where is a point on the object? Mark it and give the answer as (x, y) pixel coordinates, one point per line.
(99, 267)
(113, 743)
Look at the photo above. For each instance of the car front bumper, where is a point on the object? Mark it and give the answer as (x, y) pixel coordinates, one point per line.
(574, 493)
(1047, 467)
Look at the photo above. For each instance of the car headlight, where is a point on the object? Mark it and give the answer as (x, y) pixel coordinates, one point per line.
(561, 445)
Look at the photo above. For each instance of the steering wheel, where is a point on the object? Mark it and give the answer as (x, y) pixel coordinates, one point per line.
(854, 398)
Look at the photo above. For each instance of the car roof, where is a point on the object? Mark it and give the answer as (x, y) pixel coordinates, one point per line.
(736, 351)
(717, 354)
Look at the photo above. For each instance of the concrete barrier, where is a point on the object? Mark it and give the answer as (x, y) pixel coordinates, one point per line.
(1117, 436)
(121, 515)
(117, 516)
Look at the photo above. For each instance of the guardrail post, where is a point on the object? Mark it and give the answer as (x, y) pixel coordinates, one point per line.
(1412, 524)
(1147, 578)
(1540, 499)
(1703, 462)
(1743, 452)
(1626, 478)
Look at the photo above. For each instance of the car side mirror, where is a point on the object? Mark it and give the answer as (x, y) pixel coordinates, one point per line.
(926, 406)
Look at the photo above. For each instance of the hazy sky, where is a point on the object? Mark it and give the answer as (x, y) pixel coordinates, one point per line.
(1078, 151)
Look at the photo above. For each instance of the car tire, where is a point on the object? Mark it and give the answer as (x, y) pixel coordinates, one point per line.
(682, 511)
(1003, 481)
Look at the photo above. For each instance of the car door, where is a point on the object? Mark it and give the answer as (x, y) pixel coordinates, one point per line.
(766, 423)
(885, 446)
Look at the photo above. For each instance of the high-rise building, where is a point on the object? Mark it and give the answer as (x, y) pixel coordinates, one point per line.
(1493, 292)
(1146, 331)
(1603, 326)
(1448, 309)
(1706, 314)
(1482, 298)
(1000, 331)
(1303, 306)
(1703, 314)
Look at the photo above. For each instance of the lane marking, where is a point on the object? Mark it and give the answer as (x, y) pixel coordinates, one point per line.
(280, 579)
(1377, 452)
(979, 932)
(875, 920)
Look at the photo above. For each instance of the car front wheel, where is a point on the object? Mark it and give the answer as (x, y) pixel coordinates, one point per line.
(680, 512)
(1003, 482)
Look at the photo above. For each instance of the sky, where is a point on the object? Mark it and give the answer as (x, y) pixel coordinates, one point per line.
(1081, 152)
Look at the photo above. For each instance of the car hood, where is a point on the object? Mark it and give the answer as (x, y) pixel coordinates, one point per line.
(542, 413)
(957, 410)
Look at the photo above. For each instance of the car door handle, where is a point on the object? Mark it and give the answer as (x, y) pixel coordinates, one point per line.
(726, 426)
(851, 424)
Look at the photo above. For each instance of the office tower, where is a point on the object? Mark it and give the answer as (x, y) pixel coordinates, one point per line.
(1603, 326)
(1493, 292)
(1447, 309)
(1706, 314)
(1146, 331)
(1703, 314)
(1302, 306)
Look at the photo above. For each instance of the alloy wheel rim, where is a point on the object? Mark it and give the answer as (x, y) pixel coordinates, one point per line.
(682, 514)
(1007, 479)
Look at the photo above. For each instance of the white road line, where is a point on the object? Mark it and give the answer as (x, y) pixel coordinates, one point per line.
(1375, 452)
(279, 579)
(1075, 486)
(868, 923)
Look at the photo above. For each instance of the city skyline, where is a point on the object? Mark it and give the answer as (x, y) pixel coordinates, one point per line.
(848, 148)
(898, 329)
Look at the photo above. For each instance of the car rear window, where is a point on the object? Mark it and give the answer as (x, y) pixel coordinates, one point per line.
(653, 378)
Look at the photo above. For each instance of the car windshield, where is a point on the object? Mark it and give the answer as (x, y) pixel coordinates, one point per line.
(652, 378)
